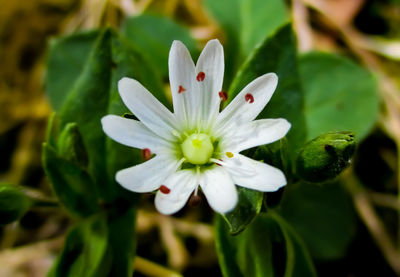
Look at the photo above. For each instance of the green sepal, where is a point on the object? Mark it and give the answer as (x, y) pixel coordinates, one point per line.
(71, 183)
(325, 157)
(13, 203)
(71, 146)
(248, 207)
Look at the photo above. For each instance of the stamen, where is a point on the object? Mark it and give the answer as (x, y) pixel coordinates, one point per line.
(164, 189)
(223, 95)
(146, 154)
(200, 77)
(249, 98)
(181, 89)
(229, 154)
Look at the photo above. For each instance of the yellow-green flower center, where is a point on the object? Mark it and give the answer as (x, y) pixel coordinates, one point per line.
(197, 148)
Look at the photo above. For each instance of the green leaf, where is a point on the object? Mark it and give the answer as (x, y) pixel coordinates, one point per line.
(226, 249)
(260, 19)
(322, 215)
(268, 247)
(71, 183)
(278, 54)
(246, 23)
(154, 35)
(298, 259)
(13, 203)
(325, 157)
(87, 103)
(71, 147)
(67, 57)
(84, 252)
(340, 95)
(122, 240)
(227, 14)
(248, 207)
(95, 95)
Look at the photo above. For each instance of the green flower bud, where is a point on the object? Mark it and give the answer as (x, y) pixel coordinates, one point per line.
(325, 157)
(71, 146)
(13, 203)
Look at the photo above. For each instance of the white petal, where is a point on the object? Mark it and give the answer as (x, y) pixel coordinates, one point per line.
(149, 175)
(255, 133)
(219, 189)
(133, 133)
(182, 77)
(147, 108)
(211, 62)
(240, 111)
(181, 185)
(252, 174)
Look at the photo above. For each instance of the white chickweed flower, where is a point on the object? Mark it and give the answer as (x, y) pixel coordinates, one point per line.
(197, 145)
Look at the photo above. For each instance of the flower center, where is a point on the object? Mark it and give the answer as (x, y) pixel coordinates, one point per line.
(197, 148)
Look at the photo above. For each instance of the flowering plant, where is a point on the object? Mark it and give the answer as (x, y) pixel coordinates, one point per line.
(259, 131)
(197, 145)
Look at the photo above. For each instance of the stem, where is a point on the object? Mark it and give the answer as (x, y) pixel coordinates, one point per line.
(385, 200)
(152, 269)
(372, 221)
(45, 203)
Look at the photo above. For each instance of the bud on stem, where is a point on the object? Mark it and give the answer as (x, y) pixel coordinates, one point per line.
(325, 157)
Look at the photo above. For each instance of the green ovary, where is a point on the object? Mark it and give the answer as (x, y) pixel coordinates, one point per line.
(197, 149)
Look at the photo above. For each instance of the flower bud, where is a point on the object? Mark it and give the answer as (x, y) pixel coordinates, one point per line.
(13, 203)
(325, 157)
(71, 146)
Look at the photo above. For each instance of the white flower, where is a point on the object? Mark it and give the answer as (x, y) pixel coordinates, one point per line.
(197, 145)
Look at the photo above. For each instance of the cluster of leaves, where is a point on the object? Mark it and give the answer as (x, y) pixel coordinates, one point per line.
(273, 234)
(317, 93)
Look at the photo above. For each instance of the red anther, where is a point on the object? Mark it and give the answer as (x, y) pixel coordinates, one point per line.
(249, 98)
(146, 154)
(181, 89)
(200, 77)
(164, 189)
(222, 94)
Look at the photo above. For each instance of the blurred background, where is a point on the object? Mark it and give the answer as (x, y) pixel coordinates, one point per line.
(367, 31)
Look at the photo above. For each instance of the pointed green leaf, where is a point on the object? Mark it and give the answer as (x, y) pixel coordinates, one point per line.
(95, 95)
(71, 183)
(87, 103)
(248, 207)
(13, 203)
(66, 60)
